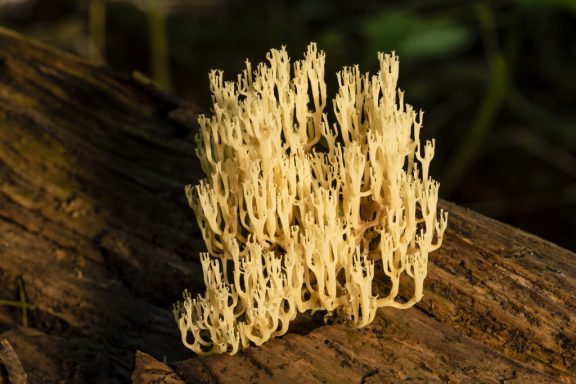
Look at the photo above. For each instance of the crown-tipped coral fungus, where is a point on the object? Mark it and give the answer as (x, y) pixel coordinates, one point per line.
(296, 211)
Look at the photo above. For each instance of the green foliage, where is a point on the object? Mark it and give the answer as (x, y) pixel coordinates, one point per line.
(414, 37)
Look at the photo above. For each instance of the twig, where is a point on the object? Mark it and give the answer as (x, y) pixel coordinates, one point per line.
(23, 301)
(17, 304)
(9, 359)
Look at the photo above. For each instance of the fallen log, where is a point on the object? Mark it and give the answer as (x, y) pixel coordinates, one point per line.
(93, 217)
(498, 307)
(95, 225)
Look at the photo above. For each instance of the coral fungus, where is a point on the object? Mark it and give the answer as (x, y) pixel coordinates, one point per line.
(297, 212)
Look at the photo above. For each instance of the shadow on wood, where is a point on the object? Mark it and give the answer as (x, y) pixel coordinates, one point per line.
(93, 216)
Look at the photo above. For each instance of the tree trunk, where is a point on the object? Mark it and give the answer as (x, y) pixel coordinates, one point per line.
(96, 233)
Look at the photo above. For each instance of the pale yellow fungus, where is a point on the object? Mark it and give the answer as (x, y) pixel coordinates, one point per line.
(292, 225)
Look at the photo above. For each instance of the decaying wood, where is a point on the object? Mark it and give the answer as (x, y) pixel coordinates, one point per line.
(93, 216)
(11, 370)
(149, 370)
(94, 221)
(498, 307)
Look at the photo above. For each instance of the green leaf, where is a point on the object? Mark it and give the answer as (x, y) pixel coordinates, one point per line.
(435, 41)
(413, 37)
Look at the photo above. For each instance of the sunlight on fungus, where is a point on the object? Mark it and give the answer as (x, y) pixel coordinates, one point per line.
(297, 212)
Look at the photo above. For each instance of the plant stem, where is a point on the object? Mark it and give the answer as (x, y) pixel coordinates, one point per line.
(17, 304)
(472, 143)
(23, 309)
(97, 47)
(159, 59)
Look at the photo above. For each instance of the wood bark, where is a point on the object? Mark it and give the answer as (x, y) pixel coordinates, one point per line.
(12, 368)
(93, 217)
(95, 226)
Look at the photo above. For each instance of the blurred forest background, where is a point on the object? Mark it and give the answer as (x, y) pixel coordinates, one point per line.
(497, 79)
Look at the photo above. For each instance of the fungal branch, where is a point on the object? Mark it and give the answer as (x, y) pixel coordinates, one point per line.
(304, 229)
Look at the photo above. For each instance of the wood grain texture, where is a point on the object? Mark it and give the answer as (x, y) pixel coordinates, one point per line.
(94, 221)
(93, 216)
(11, 370)
(498, 308)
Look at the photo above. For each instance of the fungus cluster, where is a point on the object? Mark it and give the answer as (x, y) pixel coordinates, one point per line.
(297, 212)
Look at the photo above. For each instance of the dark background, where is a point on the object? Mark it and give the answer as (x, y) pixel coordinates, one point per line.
(497, 79)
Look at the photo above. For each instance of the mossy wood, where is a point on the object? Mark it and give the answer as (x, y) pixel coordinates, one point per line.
(95, 224)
